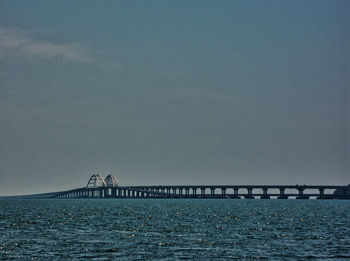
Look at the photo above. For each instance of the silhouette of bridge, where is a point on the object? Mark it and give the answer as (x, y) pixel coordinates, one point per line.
(98, 187)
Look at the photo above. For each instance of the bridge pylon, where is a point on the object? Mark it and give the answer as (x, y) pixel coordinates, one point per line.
(96, 181)
(111, 181)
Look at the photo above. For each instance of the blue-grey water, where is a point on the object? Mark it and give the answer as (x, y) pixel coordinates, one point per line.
(167, 229)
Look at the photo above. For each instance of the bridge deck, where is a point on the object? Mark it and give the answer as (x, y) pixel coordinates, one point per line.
(203, 191)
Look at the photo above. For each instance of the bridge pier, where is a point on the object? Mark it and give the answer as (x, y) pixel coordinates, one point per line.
(203, 192)
(265, 195)
(342, 193)
(194, 191)
(223, 192)
(282, 195)
(249, 195)
(235, 193)
(322, 196)
(301, 194)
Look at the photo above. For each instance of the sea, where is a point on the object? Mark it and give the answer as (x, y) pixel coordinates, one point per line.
(174, 229)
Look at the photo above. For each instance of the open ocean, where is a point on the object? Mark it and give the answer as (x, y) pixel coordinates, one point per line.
(167, 229)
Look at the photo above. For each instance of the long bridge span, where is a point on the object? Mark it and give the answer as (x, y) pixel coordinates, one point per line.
(98, 187)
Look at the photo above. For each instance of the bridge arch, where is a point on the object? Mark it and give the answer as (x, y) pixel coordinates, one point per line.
(111, 181)
(95, 181)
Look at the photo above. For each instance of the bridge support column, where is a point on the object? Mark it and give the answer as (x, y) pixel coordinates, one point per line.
(187, 192)
(223, 192)
(282, 196)
(235, 193)
(321, 196)
(265, 195)
(212, 192)
(301, 194)
(194, 191)
(203, 192)
(249, 195)
(181, 192)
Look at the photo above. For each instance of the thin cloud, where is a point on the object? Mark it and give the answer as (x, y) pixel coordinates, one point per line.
(16, 43)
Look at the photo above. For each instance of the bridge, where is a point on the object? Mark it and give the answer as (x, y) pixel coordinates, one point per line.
(98, 187)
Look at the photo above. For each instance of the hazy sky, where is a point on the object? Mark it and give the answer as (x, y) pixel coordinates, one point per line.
(173, 92)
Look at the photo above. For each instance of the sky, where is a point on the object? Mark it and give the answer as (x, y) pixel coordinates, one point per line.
(173, 92)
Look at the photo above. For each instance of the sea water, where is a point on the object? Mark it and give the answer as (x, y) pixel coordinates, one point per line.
(168, 229)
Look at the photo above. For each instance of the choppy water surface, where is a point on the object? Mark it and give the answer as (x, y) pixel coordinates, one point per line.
(174, 229)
